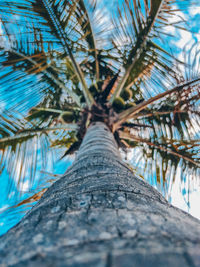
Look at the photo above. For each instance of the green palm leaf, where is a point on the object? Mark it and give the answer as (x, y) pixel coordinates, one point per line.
(129, 113)
(36, 64)
(161, 158)
(47, 19)
(137, 24)
(22, 144)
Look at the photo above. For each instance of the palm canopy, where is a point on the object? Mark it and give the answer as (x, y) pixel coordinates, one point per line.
(63, 66)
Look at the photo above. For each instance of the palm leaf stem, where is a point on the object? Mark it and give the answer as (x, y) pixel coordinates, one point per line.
(56, 110)
(67, 126)
(131, 137)
(92, 37)
(88, 96)
(32, 132)
(51, 174)
(26, 201)
(138, 49)
(129, 113)
(158, 113)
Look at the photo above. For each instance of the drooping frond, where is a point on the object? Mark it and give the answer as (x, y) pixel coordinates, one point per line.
(9, 216)
(22, 145)
(161, 158)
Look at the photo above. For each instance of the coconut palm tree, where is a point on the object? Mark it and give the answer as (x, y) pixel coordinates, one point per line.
(72, 77)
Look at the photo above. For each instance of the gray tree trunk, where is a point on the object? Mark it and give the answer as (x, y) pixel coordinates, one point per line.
(100, 214)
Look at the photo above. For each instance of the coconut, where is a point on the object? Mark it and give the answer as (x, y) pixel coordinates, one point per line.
(68, 117)
(93, 90)
(99, 85)
(126, 94)
(118, 103)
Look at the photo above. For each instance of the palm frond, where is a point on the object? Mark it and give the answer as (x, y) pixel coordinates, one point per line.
(46, 117)
(23, 145)
(129, 113)
(17, 208)
(137, 25)
(37, 64)
(162, 158)
(140, 30)
(83, 19)
(48, 18)
(173, 147)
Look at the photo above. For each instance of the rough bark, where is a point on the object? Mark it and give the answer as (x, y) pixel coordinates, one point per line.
(100, 214)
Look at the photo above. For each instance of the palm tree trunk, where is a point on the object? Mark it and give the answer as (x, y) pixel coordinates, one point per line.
(100, 214)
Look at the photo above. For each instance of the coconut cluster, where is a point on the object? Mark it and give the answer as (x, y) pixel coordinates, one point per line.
(120, 103)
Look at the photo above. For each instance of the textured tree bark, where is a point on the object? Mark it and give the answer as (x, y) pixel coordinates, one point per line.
(100, 214)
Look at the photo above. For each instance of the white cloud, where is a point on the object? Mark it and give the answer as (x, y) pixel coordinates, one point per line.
(194, 202)
(185, 38)
(1, 30)
(11, 194)
(178, 200)
(194, 11)
(4, 208)
(2, 37)
(25, 186)
(170, 29)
